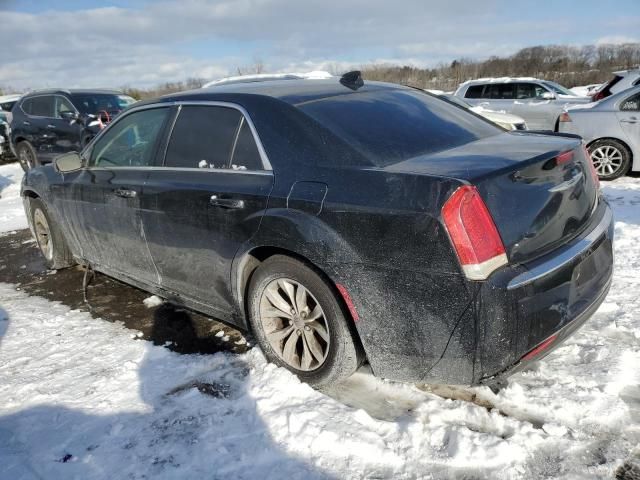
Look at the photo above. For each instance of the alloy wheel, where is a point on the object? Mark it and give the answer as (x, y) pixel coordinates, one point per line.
(43, 234)
(26, 158)
(294, 324)
(607, 160)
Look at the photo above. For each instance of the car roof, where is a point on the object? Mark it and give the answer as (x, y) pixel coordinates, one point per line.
(293, 91)
(70, 91)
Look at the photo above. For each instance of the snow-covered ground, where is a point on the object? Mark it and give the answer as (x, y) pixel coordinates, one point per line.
(82, 398)
(11, 210)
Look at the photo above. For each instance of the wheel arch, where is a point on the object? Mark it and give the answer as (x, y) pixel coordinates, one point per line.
(619, 140)
(249, 261)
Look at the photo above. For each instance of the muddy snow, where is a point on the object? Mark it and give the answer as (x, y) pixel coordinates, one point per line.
(81, 397)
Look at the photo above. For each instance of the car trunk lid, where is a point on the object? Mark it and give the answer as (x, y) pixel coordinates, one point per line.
(539, 189)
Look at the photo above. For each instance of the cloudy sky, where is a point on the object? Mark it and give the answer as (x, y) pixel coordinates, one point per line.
(117, 43)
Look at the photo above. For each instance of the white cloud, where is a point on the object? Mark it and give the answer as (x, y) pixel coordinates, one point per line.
(172, 40)
(616, 40)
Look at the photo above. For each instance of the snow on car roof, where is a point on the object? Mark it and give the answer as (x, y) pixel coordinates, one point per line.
(501, 80)
(264, 77)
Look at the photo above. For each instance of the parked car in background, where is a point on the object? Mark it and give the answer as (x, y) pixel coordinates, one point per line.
(621, 80)
(505, 120)
(539, 102)
(265, 77)
(47, 123)
(5, 138)
(339, 220)
(611, 130)
(585, 90)
(6, 105)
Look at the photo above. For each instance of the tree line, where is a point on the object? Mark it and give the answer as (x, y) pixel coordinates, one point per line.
(567, 65)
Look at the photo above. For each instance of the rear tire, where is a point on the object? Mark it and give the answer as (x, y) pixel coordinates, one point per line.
(49, 237)
(27, 156)
(314, 338)
(611, 158)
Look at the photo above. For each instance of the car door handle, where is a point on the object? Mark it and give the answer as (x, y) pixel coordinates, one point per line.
(26, 123)
(51, 126)
(631, 120)
(125, 193)
(230, 203)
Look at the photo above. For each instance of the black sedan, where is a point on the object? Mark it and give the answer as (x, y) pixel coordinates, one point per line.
(340, 222)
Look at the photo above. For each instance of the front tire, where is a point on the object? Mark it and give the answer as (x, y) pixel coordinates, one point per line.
(49, 238)
(27, 156)
(611, 158)
(300, 324)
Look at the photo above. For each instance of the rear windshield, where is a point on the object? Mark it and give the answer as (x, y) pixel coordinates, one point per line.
(390, 126)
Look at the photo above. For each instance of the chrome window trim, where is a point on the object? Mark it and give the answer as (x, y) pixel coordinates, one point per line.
(185, 169)
(212, 103)
(22, 100)
(565, 257)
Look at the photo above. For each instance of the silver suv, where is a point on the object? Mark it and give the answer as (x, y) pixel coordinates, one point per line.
(539, 102)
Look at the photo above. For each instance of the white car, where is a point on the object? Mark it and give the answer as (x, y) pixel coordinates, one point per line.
(539, 102)
(263, 77)
(505, 120)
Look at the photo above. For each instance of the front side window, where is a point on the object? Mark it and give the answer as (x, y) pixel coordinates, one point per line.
(131, 141)
(631, 104)
(63, 106)
(212, 137)
(95, 103)
(529, 90)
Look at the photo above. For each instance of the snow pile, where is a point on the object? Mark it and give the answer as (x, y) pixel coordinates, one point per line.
(11, 210)
(83, 398)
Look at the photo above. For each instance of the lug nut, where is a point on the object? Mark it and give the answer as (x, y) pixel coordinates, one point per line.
(299, 332)
(307, 328)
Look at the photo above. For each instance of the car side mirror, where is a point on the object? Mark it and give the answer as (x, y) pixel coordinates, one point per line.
(69, 115)
(548, 96)
(68, 162)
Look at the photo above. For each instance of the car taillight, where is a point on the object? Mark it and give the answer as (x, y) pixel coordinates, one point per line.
(564, 117)
(565, 157)
(594, 173)
(473, 233)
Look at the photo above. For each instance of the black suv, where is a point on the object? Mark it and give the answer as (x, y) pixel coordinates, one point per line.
(48, 123)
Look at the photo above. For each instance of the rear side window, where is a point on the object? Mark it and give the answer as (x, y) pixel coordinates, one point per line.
(474, 91)
(389, 126)
(245, 154)
(212, 137)
(203, 137)
(42, 106)
(500, 91)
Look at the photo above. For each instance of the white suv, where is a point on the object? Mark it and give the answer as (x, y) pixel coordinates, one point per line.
(539, 102)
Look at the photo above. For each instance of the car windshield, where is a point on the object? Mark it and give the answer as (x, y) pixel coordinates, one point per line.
(93, 103)
(557, 88)
(389, 126)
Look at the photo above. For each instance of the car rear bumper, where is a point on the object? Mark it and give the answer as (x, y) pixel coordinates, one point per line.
(524, 312)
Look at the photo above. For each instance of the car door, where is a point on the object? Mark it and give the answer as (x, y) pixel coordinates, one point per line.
(206, 201)
(629, 118)
(36, 124)
(498, 97)
(529, 104)
(106, 198)
(64, 131)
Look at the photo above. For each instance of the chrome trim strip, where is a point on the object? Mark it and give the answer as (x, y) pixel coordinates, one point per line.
(564, 257)
(185, 169)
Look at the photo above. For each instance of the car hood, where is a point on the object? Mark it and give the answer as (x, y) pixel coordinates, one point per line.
(495, 116)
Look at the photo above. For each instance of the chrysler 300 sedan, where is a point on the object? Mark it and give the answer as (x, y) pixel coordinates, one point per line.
(340, 222)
